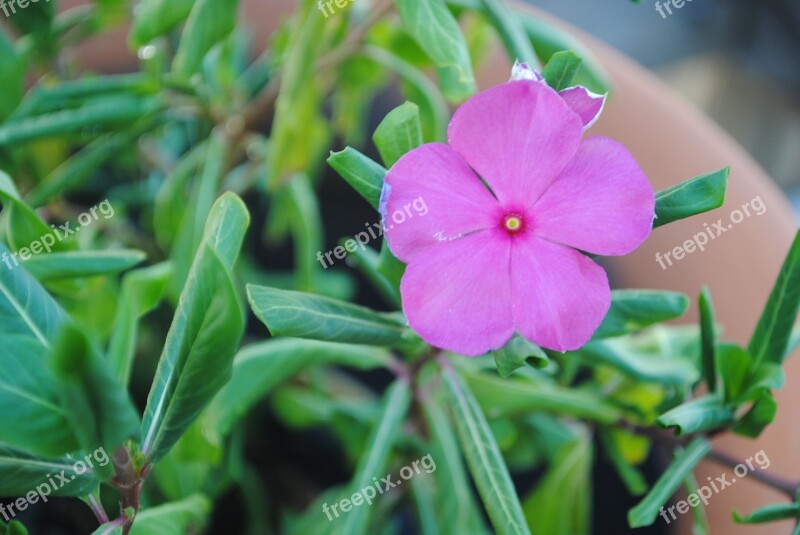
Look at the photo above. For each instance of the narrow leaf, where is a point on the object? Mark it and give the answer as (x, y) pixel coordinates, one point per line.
(287, 313)
(484, 459)
(398, 133)
(561, 70)
(634, 310)
(363, 174)
(646, 512)
(695, 196)
(205, 333)
(771, 338)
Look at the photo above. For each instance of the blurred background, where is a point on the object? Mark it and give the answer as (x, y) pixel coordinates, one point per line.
(737, 60)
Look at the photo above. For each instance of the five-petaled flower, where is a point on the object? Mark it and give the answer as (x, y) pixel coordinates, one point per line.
(515, 199)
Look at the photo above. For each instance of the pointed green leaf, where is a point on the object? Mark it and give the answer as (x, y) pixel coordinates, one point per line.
(142, 291)
(98, 408)
(514, 39)
(187, 516)
(399, 132)
(646, 512)
(301, 315)
(634, 310)
(153, 18)
(569, 474)
(432, 25)
(695, 196)
(21, 473)
(210, 21)
(708, 338)
(771, 338)
(484, 459)
(504, 397)
(258, 368)
(81, 264)
(561, 70)
(733, 366)
(697, 415)
(760, 415)
(517, 353)
(363, 174)
(770, 513)
(204, 336)
(377, 450)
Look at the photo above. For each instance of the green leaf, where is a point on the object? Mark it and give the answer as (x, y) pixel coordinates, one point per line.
(209, 23)
(697, 415)
(363, 174)
(12, 74)
(643, 364)
(484, 459)
(517, 353)
(301, 315)
(432, 25)
(142, 291)
(306, 229)
(21, 473)
(733, 365)
(632, 478)
(107, 111)
(377, 450)
(79, 169)
(561, 70)
(81, 264)
(98, 408)
(433, 108)
(511, 32)
(204, 336)
(13, 528)
(770, 340)
(770, 513)
(454, 499)
(506, 397)
(29, 319)
(760, 415)
(569, 474)
(708, 339)
(399, 132)
(646, 512)
(695, 196)
(259, 368)
(24, 226)
(634, 310)
(154, 18)
(187, 516)
(111, 528)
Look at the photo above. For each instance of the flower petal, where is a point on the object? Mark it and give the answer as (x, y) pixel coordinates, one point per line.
(602, 202)
(433, 197)
(518, 136)
(560, 296)
(586, 104)
(457, 296)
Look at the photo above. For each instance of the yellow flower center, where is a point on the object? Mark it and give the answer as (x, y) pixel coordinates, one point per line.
(513, 223)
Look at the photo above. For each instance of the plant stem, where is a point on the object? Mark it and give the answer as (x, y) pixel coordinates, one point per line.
(790, 488)
(97, 509)
(128, 481)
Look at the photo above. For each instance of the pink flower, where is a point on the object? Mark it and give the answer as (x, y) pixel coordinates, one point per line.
(511, 203)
